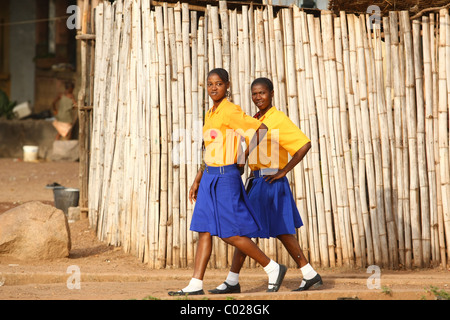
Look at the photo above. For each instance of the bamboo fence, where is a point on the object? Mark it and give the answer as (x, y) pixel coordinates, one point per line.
(372, 95)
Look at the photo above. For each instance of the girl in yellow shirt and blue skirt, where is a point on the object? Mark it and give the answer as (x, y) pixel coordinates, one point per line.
(222, 206)
(270, 194)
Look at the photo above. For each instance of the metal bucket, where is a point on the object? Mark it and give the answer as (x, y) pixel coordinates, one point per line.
(66, 198)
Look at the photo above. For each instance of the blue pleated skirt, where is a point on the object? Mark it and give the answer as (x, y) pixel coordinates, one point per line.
(275, 207)
(222, 207)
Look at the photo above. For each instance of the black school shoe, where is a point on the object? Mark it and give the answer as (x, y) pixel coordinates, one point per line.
(229, 289)
(276, 286)
(182, 293)
(315, 282)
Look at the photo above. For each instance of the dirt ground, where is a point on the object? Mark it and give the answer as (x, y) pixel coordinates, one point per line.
(107, 273)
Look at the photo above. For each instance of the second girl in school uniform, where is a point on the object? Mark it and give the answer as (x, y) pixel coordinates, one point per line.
(222, 207)
(270, 194)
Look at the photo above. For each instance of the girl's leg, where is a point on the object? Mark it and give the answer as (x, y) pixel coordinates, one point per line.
(249, 248)
(310, 276)
(231, 282)
(238, 260)
(292, 246)
(275, 271)
(201, 261)
(202, 255)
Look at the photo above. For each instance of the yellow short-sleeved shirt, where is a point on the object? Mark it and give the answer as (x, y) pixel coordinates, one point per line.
(222, 133)
(283, 138)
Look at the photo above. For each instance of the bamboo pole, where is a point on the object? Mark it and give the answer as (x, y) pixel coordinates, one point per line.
(145, 118)
(106, 128)
(281, 75)
(113, 201)
(234, 52)
(443, 124)
(335, 137)
(324, 116)
(375, 135)
(422, 168)
(386, 162)
(246, 99)
(94, 168)
(447, 52)
(201, 70)
(241, 65)
(352, 221)
(305, 127)
(175, 142)
(209, 63)
(267, 43)
(304, 188)
(123, 129)
(143, 153)
(429, 140)
(306, 84)
(261, 44)
(369, 163)
(310, 51)
(361, 182)
(434, 40)
(405, 154)
(387, 68)
(349, 90)
(187, 115)
(225, 35)
(170, 182)
(162, 237)
(217, 40)
(436, 181)
(131, 134)
(182, 132)
(196, 135)
(412, 140)
(273, 62)
(251, 37)
(393, 27)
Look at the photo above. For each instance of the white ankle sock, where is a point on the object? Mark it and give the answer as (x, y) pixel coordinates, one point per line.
(194, 285)
(272, 270)
(308, 273)
(232, 280)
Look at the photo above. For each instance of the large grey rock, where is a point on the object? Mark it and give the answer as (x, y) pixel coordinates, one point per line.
(34, 231)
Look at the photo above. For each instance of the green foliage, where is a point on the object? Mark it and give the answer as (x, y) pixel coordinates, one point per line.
(439, 294)
(150, 298)
(386, 290)
(6, 106)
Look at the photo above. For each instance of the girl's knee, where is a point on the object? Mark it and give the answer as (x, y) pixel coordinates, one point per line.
(230, 240)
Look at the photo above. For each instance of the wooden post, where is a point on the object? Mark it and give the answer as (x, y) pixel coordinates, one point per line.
(83, 116)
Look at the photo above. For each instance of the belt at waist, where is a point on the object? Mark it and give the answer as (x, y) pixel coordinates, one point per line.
(264, 172)
(221, 170)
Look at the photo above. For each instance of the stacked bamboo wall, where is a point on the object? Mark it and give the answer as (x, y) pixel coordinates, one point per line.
(372, 94)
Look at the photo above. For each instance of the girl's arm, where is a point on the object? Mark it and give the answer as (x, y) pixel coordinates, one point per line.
(298, 156)
(257, 138)
(194, 188)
